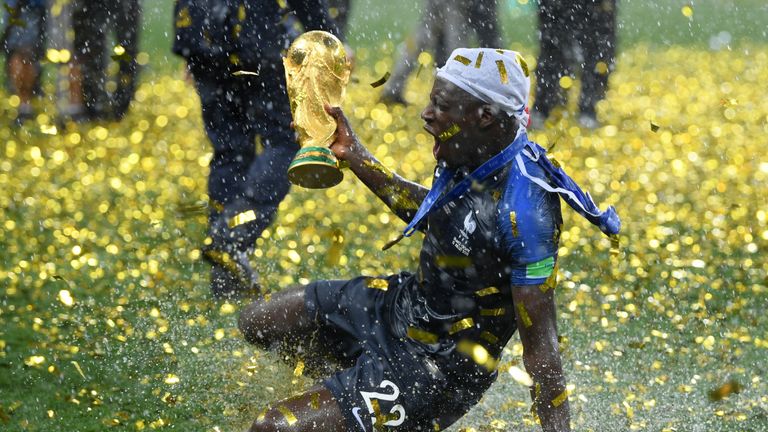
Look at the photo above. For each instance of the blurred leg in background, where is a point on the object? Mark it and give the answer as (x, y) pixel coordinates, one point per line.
(247, 121)
(441, 29)
(556, 33)
(339, 10)
(574, 35)
(483, 17)
(24, 45)
(127, 21)
(93, 21)
(69, 96)
(597, 39)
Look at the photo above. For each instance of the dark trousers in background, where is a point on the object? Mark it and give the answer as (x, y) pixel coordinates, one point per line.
(247, 120)
(92, 21)
(571, 29)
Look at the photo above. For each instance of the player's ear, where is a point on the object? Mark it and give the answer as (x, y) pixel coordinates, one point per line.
(486, 116)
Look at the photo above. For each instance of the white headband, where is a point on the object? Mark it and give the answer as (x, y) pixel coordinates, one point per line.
(494, 76)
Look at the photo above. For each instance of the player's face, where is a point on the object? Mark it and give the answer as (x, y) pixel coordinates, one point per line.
(451, 117)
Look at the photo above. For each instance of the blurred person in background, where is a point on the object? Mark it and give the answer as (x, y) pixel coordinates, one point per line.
(23, 43)
(580, 35)
(339, 11)
(443, 26)
(92, 22)
(246, 117)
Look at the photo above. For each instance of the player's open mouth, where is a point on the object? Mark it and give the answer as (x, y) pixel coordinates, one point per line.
(436, 146)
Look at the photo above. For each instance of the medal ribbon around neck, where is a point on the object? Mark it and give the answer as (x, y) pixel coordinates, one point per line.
(434, 201)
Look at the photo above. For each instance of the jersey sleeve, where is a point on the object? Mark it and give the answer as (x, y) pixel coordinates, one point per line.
(529, 225)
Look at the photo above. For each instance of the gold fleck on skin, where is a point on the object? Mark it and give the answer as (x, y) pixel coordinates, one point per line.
(522, 312)
(449, 133)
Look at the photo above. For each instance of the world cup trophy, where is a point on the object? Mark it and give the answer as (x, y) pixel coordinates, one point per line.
(316, 72)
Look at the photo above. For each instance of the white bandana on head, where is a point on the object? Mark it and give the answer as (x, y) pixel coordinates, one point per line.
(495, 76)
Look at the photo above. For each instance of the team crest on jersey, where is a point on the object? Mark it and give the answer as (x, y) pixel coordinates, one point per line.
(461, 242)
(469, 223)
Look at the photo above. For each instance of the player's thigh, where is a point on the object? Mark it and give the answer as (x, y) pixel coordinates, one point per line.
(276, 317)
(315, 410)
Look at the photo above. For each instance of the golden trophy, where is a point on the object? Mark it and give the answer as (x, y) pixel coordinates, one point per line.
(316, 73)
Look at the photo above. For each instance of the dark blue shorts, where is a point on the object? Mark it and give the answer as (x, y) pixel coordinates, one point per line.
(391, 383)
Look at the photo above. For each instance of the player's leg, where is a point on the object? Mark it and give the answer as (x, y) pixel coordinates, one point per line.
(277, 318)
(597, 37)
(315, 410)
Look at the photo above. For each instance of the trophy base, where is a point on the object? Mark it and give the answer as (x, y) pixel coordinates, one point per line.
(315, 168)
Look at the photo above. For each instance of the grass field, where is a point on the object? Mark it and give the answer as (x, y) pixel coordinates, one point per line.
(105, 318)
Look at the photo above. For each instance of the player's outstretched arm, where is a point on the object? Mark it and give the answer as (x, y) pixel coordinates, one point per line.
(399, 194)
(537, 324)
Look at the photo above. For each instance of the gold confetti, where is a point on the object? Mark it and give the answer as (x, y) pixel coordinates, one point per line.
(171, 379)
(493, 312)
(523, 64)
(479, 60)
(49, 129)
(418, 71)
(242, 218)
(392, 242)
(422, 336)
(35, 360)
(183, 18)
(463, 60)
(79, 370)
(333, 256)
(244, 73)
(615, 244)
(227, 308)
(654, 127)
(520, 376)
(262, 415)
(523, 314)
(376, 283)
(299, 369)
(486, 291)
(380, 82)
(502, 71)
(489, 337)
(725, 390)
(65, 297)
(290, 418)
(315, 401)
(453, 261)
(513, 222)
(461, 325)
(478, 353)
(449, 133)
(562, 397)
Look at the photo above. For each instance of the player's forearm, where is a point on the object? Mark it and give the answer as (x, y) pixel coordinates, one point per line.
(399, 194)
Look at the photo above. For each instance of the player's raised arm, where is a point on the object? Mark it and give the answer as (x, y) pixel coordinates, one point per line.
(399, 194)
(537, 324)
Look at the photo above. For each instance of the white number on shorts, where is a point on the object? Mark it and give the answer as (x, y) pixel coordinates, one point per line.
(385, 397)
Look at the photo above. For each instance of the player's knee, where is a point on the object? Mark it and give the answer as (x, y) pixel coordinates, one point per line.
(251, 324)
(270, 421)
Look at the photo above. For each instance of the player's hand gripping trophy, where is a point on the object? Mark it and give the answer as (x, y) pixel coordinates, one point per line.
(316, 73)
